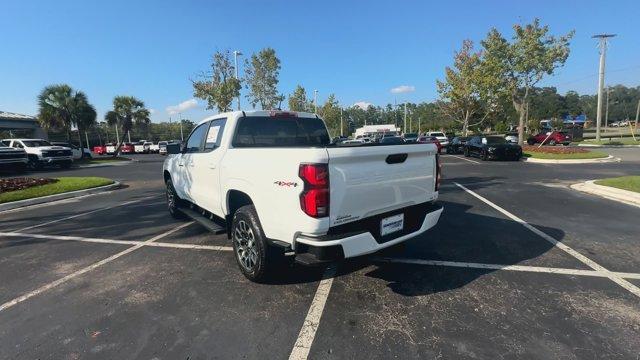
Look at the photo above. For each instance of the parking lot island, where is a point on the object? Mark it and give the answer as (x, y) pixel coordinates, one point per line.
(625, 189)
(18, 192)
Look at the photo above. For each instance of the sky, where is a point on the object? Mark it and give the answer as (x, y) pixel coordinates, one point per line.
(362, 51)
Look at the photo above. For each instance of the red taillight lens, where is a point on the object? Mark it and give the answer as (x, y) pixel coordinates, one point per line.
(438, 172)
(314, 199)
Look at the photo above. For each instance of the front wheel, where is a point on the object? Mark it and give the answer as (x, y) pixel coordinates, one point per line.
(252, 252)
(66, 164)
(485, 156)
(34, 163)
(531, 142)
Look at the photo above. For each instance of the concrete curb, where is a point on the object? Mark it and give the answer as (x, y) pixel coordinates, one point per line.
(608, 159)
(67, 195)
(608, 146)
(611, 193)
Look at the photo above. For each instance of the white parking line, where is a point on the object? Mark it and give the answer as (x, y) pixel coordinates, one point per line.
(53, 284)
(310, 326)
(113, 241)
(585, 260)
(523, 268)
(83, 214)
(465, 159)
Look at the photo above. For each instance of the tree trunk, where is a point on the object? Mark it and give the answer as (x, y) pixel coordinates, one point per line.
(519, 106)
(80, 142)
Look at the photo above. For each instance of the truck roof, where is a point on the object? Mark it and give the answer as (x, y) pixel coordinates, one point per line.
(237, 113)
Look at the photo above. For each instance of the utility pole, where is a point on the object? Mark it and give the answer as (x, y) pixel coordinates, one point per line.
(606, 111)
(180, 119)
(236, 53)
(341, 127)
(315, 101)
(603, 40)
(404, 129)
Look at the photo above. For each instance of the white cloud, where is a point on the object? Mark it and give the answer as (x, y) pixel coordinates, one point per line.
(182, 107)
(152, 111)
(402, 89)
(363, 105)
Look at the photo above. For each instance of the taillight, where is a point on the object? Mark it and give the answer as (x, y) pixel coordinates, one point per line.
(314, 199)
(438, 172)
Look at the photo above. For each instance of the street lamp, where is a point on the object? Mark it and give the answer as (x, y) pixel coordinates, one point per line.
(237, 53)
(315, 101)
(603, 40)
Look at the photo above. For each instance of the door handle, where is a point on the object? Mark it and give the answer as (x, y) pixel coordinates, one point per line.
(180, 164)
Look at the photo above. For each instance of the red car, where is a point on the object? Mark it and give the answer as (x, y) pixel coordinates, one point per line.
(554, 138)
(127, 148)
(430, 140)
(100, 149)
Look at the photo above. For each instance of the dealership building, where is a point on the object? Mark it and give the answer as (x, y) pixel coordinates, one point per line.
(19, 125)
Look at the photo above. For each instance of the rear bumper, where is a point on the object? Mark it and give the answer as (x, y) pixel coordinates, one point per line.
(335, 247)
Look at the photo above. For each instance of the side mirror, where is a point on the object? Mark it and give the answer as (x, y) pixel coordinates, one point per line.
(174, 149)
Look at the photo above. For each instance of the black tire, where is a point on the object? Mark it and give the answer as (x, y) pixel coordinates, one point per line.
(173, 201)
(65, 164)
(531, 142)
(255, 257)
(552, 142)
(20, 168)
(485, 155)
(466, 152)
(34, 163)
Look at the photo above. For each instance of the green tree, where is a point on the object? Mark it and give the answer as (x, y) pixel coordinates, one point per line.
(330, 112)
(60, 107)
(518, 66)
(298, 100)
(261, 74)
(463, 95)
(221, 87)
(127, 110)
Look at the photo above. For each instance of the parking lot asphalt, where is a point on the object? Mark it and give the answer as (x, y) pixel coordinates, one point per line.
(519, 266)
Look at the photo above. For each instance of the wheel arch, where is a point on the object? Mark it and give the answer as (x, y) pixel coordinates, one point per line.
(235, 199)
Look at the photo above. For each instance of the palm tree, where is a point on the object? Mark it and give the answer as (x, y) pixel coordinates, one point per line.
(60, 107)
(127, 110)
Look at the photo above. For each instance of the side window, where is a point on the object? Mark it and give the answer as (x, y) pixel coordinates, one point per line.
(17, 145)
(194, 143)
(214, 135)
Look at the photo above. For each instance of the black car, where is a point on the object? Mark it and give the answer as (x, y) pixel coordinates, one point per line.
(456, 145)
(391, 140)
(492, 147)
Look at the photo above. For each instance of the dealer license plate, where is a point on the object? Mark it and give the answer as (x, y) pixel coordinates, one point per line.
(391, 224)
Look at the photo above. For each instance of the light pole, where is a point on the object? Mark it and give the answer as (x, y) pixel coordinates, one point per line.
(603, 40)
(237, 53)
(180, 119)
(404, 129)
(606, 109)
(341, 126)
(315, 101)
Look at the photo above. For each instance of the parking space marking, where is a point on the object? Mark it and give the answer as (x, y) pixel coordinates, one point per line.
(522, 268)
(465, 159)
(114, 241)
(84, 270)
(585, 260)
(83, 214)
(308, 332)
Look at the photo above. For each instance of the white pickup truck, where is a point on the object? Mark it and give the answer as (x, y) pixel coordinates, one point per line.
(40, 152)
(276, 185)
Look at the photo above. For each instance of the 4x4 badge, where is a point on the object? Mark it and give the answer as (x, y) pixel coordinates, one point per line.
(286, 183)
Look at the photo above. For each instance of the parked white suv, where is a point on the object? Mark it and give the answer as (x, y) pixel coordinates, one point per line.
(273, 181)
(40, 152)
(442, 138)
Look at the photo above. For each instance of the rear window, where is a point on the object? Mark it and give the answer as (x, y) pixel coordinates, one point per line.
(265, 131)
(437, 134)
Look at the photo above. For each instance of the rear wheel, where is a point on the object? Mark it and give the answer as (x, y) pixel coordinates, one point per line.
(466, 152)
(531, 142)
(485, 155)
(173, 201)
(552, 142)
(254, 255)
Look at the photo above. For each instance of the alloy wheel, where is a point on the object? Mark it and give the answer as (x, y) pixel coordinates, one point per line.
(246, 249)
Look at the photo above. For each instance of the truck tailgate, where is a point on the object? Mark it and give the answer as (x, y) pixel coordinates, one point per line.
(370, 180)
